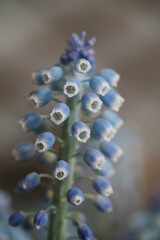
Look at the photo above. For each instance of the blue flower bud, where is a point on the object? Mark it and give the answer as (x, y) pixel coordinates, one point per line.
(40, 219)
(31, 121)
(81, 131)
(94, 158)
(84, 232)
(72, 87)
(40, 98)
(44, 142)
(30, 182)
(83, 66)
(103, 204)
(113, 117)
(75, 196)
(102, 186)
(111, 150)
(107, 171)
(112, 100)
(23, 151)
(16, 218)
(90, 42)
(103, 129)
(59, 113)
(46, 157)
(52, 74)
(99, 85)
(111, 76)
(37, 76)
(61, 170)
(91, 102)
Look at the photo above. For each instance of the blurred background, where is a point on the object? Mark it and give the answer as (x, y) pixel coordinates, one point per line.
(33, 34)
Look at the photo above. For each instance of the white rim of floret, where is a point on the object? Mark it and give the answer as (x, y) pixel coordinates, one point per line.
(109, 133)
(98, 107)
(34, 100)
(49, 76)
(103, 89)
(86, 62)
(84, 140)
(115, 80)
(38, 146)
(57, 122)
(24, 185)
(70, 84)
(118, 154)
(22, 122)
(37, 226)
(107, 191)
(16, 155)
(119, 124)
(99, 163)
(98, 200)
(77, 198)
(61, 169)
(117, 103)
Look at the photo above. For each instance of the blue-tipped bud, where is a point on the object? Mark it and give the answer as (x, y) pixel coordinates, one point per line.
(31, 121)
(30, 182)
(94, 158)
(40, 98)
(44, 142)
(23, 151)
(37, 77)
(111, 76)
(75, 196)
(16, 219)
(61, 170)
(111, 150)
(40, 219)
(84, 232)
(52, 74)
(91, 102)
(72, 87)
(59, 113)
(83, 66)
(112, 100)
(81, 131)
(99, 85)
(102, 186)
(46, 157)
(113, 117)
(103, 204)
(103, 129)
(107, 171)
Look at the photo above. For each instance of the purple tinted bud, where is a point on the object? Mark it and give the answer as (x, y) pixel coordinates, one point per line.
(40, 219)
(16, 218)
(84, 232)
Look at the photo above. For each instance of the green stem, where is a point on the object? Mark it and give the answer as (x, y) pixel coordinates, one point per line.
(57, 227)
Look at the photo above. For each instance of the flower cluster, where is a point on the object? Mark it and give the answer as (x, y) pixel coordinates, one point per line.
(89, 112)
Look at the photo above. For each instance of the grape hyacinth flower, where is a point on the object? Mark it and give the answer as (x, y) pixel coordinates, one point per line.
(60, 113)
(84, 105)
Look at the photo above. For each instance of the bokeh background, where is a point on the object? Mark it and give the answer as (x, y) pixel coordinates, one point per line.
(33, 34)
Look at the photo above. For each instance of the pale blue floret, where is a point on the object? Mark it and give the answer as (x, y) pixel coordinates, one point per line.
(30, 182)
(111, 76)
(81, 131)
(102, 186)
(52, 74)
(91, 102)
(75, 196)
(59, 113)
(103, 204)
(40, 219)
(94, 158)
(111, 150)
(37, 77)
(23, 151)
(107, 171)
(99, 85)
(40, 98)
(16, 218)
(31, 121)
(103, 129)
(84, 232)
(44, 142)
(72, 87)
(112, 100)
(114, 118)
(61, 170)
